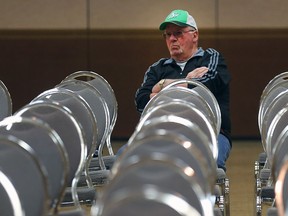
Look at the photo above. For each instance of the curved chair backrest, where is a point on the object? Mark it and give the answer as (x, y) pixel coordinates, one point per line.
(279, 101)
(19, 163)
(279, 78)
(69, 130)
(180, 126)
(280, 153)
(84, 115)
(174, 178)
(184, 95)
(145, 200)
(48, 147)
(177, 148)
(66, 126)
(101, 84)
(10, 201)
(206, 94)
(276, 127)
(276, 79)
(98, 106)
(106, 91)
(186, 111)
(281, 188)
(273, 88)
(5, 102)
(80, 109)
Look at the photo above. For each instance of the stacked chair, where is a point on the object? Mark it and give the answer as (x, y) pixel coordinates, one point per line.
(169, 164)
(270, 171)
(47, 147)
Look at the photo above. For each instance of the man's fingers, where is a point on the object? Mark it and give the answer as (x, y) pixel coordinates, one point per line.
(198, 72)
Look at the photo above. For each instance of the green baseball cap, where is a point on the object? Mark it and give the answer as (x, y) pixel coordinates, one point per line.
(180, 18)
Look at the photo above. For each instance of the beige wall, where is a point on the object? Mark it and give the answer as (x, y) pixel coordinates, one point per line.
(140, 14)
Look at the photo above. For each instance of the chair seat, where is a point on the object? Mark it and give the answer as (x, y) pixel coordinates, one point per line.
(98, 177)
(267, 192)
(221, 173)
(272, 211)
(84, 194)
(73, 212)
(108, 161)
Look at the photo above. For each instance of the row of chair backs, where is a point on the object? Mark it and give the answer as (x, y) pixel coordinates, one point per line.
(187, 111)
(171, 154)
(161, 160)
(34, 132)
(63, 126)
(198, 95)
(272, 122)
(107, 93)
(275, 85)
(164, 176)
(272, 101)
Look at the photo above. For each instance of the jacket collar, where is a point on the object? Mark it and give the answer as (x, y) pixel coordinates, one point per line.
(200, 52)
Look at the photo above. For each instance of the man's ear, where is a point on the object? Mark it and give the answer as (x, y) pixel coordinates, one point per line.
(196, 36)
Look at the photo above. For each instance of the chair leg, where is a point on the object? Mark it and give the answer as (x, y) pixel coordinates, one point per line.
(227, 197)
(261, 177)
(267, 197)
(264, 194)
(258, 201)
(223, 200)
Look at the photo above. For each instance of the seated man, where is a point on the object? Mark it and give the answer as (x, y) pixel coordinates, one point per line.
(187, 60)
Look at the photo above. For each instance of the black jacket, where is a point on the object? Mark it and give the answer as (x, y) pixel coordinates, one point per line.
(217, 79)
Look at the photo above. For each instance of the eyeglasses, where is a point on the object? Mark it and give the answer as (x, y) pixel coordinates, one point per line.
(176, 34)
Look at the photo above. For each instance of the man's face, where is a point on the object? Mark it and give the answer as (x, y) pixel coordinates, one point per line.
(181, 41)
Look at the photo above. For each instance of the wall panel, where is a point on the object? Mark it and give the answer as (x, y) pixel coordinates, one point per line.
(32, 62)
(43, 14)
(253, 14)
(143, 14)
(140, 14)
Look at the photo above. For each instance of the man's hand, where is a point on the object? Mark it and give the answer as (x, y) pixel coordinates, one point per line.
(152, 95)
(157, 88)
(197, 73)
(160, 85)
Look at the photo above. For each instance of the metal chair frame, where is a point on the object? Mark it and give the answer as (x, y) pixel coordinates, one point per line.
(206, 94)
(52, 113)
(188, 112)
(106, 91)
(32, 131)
(10, 200)
(154, 140)
(128, 180)
(99, 108)
(281, 188)
(17, 158)
(83, 113)
(178, 93)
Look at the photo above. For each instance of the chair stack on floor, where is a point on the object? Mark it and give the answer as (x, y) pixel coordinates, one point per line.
(169, 165)
(272, 122)
(55, 136)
